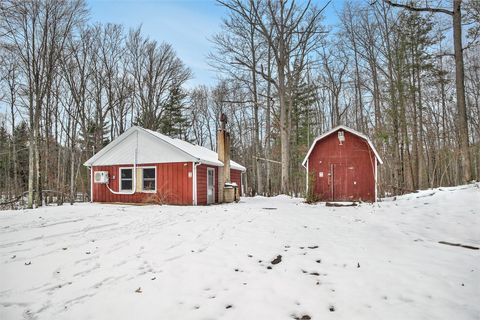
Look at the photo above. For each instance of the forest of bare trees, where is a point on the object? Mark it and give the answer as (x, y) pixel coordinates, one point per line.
(406, 73)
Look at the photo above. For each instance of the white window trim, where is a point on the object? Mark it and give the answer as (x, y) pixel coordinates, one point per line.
(120, 180)
(156, 179)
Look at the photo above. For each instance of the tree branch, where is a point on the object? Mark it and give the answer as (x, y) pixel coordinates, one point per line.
(424, 9)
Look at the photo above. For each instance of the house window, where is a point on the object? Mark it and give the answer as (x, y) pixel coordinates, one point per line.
(126, 179)
(149, 179)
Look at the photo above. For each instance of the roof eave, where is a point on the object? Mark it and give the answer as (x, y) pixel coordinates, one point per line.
(326, 134)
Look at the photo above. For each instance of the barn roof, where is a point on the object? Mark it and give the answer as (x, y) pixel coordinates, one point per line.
(345, 128)
(185, 150)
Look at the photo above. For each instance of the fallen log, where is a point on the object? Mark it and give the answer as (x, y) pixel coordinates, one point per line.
(11, 201)
(458, 245)
(403, 190)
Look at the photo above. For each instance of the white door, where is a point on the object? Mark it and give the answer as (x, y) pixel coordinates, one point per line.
(210, 185)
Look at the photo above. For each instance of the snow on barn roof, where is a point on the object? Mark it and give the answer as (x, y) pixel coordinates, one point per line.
(187, 151)
(342, 127)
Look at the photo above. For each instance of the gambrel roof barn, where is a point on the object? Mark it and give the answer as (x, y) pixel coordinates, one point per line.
(342, 166)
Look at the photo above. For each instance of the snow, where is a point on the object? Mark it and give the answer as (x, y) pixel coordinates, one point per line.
(345, 128)
(153, 147)
(380, 261)
(205, 155)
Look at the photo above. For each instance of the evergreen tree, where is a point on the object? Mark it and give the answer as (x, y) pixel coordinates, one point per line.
(174, 122)
(94, 133)
(21, 141)
(5, 142)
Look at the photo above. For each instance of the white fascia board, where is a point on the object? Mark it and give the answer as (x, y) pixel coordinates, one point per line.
(342, 127)
(90, 162)
(150, 149)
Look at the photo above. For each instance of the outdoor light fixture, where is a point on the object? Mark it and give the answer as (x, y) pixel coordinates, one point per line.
(341, 137)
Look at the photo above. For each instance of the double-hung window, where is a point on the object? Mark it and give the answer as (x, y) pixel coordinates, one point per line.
(126, 179)
(149, 179)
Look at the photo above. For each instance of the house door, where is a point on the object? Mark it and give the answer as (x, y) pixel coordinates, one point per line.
(210, 185)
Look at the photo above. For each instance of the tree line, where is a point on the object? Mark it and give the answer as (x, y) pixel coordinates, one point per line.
(402, 73)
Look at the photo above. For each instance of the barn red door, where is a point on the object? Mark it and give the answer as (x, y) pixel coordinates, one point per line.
(343, 182)
(338, 182)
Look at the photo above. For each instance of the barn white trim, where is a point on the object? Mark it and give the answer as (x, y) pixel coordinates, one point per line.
(345, 128)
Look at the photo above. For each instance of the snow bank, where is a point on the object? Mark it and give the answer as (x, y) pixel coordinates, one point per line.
(380, 261)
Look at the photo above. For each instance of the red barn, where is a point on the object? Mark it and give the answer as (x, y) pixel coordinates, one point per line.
(343, 165)
(145, 166)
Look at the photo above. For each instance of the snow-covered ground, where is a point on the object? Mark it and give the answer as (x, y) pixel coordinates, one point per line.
(381, 261)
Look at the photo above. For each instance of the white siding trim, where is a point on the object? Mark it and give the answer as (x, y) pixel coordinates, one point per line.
(376, 194)
(194, 178)
(306, 188)
(91, 184)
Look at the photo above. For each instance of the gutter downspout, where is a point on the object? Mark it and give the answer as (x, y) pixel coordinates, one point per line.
(134, 173)
(194, 181)
(91, 184)
(376, 180)
(306, 182)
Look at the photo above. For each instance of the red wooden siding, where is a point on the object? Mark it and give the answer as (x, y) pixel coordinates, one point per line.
(202, 184)
(174, 186)
(236, 176)
(348, 169)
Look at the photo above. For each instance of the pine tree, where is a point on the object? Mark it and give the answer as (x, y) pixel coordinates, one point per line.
(21, 141)
(173, 121)
(88, 139)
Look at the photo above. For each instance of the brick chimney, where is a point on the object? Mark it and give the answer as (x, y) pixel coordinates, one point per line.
(223, 150)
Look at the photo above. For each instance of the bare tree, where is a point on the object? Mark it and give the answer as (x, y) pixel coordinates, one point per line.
(456, 14)
(36, 32)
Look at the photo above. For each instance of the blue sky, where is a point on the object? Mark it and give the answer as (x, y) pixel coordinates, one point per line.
(186, 24)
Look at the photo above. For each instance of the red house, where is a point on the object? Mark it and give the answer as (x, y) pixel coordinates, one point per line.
(343, 165)
(145, 166)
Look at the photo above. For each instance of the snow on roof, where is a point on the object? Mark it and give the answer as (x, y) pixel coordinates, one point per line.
(199, 153)
(203, 154)
(342, 127)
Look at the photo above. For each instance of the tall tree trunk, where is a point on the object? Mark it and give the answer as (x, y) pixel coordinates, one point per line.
(284, 134)
(460, 91)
